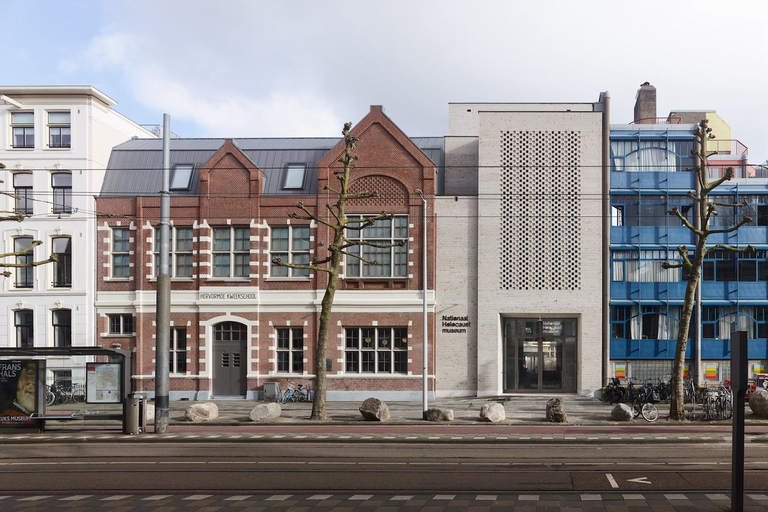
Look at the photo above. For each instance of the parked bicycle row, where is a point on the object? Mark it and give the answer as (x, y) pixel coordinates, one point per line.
(59, 394)
(704, 403)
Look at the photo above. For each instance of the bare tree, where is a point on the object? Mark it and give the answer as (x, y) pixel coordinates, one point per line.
(18, 217)
(705, 211)
(337, 223)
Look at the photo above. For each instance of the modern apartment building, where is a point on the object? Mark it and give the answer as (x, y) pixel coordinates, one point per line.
(54, 145)
(238, 320)
(651, 172)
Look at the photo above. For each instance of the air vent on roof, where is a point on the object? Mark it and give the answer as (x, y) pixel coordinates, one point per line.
(135, 137)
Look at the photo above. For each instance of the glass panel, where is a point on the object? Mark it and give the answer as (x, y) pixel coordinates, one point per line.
(298, 339)
(401, 362)
(401, 227)
(242, 239)
(294, 176)
(182, 175)
(300, 238)
(61, 179)
(183, 239)
(283, 361)
(22, 118)
(528, 364)
(220, 239)
(58, 117)
(23, 179)
(552, 364)
(221, 265)
(279, 239)
(282, 338)
(353, 338)
(569, 364)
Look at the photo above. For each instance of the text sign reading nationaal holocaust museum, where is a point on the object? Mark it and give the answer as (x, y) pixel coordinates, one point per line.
(102, 383)
(19, 391)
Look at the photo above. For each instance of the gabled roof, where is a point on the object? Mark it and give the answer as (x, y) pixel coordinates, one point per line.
(135, 167)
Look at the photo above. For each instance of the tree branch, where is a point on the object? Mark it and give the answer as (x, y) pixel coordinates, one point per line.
(676, 212)
(745, 220)
(727, 247)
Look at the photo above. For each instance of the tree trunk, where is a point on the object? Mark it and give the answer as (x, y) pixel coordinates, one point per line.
(677, 400)
(319, 401)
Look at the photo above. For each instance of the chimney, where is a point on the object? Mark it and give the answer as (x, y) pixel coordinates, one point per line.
(645, 104)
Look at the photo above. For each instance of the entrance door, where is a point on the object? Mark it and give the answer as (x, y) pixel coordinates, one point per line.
(539, 355)
(229, 359)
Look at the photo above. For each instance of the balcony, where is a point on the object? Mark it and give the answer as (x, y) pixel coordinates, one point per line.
(652, 180)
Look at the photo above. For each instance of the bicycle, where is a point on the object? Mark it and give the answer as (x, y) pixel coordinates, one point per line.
(643, 403)
(296, 393)
(614, 391)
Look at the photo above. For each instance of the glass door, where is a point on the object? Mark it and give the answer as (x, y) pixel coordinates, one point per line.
(528, 357)
(539, 355)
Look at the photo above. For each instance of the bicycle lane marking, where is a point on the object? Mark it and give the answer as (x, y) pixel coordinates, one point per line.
(612, 480)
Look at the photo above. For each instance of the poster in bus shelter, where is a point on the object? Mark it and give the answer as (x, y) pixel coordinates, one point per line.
(102, 383)
(20, 391)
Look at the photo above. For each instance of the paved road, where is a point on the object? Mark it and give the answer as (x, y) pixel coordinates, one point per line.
(386, 476)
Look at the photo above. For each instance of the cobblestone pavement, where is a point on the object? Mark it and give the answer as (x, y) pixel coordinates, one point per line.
(327, 502)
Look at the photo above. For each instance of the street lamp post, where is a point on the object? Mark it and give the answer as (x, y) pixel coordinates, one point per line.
(425, 340)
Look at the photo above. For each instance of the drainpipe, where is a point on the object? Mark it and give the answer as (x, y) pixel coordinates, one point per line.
(606, 190)
(697, 301)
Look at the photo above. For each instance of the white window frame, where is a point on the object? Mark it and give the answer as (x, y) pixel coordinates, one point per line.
(377, 348)
(28, 258)
(62, 195)
(114, 253)
(292, 254)
(26, 198)
(61, 127)
(231, 251)
(122, 331)
(176, 253)
(355, 268)
(178, 334)
(294, 349)
(23, 126)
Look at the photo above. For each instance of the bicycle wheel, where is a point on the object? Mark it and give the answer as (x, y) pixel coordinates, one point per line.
(50, 397)
(636, 409)
(727, 410)
(287, 396)
(650, 412)
(78, 394)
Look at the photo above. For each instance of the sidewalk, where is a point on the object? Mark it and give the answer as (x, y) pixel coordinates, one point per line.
(588, 420)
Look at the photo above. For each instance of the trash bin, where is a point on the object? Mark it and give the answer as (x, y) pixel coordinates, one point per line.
(135, 414)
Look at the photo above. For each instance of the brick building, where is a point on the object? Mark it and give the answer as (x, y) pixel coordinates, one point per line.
(237, 320)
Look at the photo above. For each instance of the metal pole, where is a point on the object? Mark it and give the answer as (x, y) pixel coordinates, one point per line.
(424, 336)
(163, 319)
(739, 370)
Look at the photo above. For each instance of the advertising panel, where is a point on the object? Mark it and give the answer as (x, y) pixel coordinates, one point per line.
(19, 391)
(102, 383)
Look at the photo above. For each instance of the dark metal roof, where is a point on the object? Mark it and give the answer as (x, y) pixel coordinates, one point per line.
(135, 167)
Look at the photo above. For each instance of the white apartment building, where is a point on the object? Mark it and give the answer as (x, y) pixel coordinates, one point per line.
(519, 259)
(55, 143)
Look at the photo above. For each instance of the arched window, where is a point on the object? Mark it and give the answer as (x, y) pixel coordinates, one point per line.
(229, 331)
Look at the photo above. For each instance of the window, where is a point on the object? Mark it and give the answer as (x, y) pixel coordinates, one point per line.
(294, 176)
(376, 350)
(25, 330)
(59, 130)
(231, 252)
(62, 328)
(61, 182)
(24, 256)
(121, 258)
(291, 245)
(619, 317)
(391, 260)
(23, 127)
(658, 155)
(181, 252)
(617, 215)
(645, 266)
(181, 176)
(178, 347)
(290, 350)
(62, 269)
(120, 324)
(62, 378)
(22, 189)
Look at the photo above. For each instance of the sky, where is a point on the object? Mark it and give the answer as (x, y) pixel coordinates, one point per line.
(237, 68)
